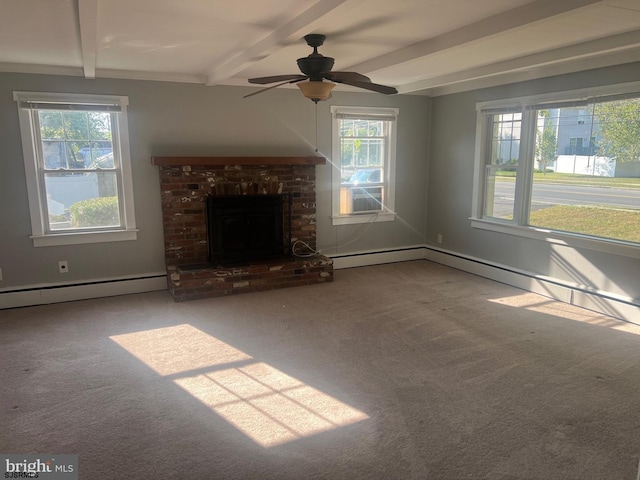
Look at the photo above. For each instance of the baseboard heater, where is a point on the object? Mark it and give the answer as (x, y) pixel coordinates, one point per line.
(56, 293)
(599, 301)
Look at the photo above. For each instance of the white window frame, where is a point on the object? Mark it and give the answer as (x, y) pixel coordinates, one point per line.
(35, 186)
(517, 226)
(388, 213)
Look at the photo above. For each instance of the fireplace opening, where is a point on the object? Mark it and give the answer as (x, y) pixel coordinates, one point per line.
(242, 228)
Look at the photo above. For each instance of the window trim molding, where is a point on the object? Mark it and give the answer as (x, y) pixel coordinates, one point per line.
(582, 94)
(80, 238)
(512, 227)
(34, 182)
(363, 218)
(388, 214)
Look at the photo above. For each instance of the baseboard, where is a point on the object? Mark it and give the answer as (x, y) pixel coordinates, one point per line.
(55, 293)
(606, 303)
(602, 302)
(376, 257)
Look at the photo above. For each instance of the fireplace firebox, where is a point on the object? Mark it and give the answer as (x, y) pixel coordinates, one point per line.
(243, 228)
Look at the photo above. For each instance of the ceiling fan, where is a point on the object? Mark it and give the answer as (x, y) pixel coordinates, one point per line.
(317, 68)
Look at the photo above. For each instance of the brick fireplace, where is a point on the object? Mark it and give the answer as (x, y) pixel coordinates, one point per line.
(186, 182)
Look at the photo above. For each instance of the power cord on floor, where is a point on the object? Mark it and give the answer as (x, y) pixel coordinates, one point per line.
(310, 252)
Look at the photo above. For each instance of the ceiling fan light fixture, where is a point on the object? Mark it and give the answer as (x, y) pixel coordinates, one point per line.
(315, 90)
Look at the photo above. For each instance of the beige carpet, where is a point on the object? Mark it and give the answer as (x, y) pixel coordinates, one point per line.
(401, 371)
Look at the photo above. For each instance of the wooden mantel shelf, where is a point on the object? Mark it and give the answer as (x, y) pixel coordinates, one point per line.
(216, 161)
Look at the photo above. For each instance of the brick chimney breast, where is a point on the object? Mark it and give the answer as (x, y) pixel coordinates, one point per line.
(186, 181)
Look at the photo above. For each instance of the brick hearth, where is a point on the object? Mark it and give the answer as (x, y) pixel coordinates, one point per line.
(186, 181)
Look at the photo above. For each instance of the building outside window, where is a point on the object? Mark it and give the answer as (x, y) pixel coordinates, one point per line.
(363, 164)
(587, 192)
(77, 164)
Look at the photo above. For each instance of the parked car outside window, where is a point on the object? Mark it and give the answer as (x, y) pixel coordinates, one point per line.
(366, 175)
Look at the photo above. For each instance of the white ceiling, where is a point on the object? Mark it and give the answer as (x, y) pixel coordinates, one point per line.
(418, 46)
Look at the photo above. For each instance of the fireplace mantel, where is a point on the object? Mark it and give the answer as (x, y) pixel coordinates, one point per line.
(217, 161)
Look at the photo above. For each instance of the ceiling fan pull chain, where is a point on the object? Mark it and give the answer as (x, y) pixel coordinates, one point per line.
(316, 127)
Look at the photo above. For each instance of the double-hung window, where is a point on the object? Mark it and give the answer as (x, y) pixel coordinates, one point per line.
(77, 165)
(364, 152)
(562, 167)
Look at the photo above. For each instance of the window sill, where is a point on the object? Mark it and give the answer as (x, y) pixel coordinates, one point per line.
(574, 240)
(363, 218)
(79, 238)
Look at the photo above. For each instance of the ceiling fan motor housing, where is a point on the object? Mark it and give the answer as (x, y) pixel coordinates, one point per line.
(315, 66)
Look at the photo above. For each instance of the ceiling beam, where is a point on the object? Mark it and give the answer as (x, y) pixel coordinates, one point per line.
(88, 16)
(497, 24)
(39, 69)
(571, 66)
(628, 41)
(269, 44)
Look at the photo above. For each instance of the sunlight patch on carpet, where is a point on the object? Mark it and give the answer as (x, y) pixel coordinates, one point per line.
(181, 348)
(267, 405)
(556, 308)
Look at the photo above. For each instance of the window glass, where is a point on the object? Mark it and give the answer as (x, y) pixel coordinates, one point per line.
(362, 147)
(82, 200)
(73, 141)
(587, 170)
(502, 168)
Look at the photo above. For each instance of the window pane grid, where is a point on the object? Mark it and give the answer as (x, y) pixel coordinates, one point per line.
(73, 140)
(361, 153)
(361, 128)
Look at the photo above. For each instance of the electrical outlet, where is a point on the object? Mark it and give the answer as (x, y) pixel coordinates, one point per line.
(439, 238)
(62, 266)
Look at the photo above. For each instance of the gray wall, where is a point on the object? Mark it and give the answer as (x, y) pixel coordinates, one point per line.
(451, 164)
(185, 119)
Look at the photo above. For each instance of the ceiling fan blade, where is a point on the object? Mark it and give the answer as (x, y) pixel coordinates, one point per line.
(374, 87)
(277, 78)
(341, 77)
(316, 67)
(295, 80)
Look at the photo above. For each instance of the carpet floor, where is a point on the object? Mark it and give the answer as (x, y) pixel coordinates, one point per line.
(410, 370)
